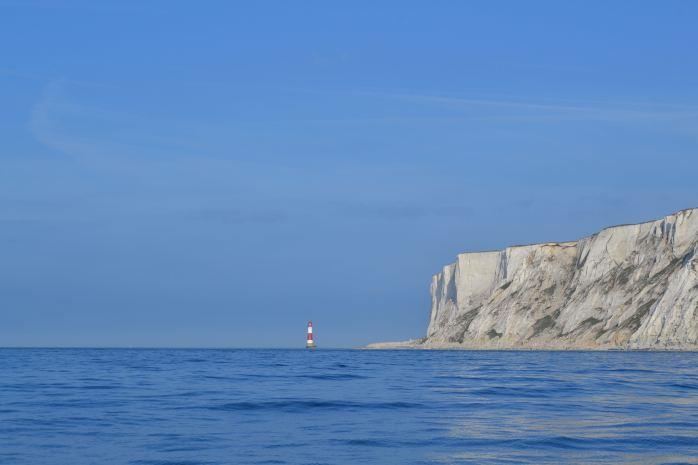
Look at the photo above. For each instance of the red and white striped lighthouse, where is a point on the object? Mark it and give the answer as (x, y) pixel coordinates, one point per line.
(309, 343)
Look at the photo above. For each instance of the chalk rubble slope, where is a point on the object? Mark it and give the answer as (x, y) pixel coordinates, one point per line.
(626, 287)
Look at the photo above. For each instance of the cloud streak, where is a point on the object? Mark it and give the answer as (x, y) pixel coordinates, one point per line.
(88, 131)
(474, 108)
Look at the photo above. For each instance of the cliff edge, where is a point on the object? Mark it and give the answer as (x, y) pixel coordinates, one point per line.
(626, 287)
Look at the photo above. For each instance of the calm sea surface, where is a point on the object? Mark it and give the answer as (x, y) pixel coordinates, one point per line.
(162, 407)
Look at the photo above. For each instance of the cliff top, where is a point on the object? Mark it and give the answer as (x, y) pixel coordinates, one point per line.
(575, 242)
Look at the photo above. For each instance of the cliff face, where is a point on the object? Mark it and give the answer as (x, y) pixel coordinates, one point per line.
(632, 286)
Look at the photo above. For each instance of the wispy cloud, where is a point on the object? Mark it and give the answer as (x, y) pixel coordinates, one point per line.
(75, 127)
(41, 123)
(453, 108)
(87, 131)
(626, 112)
(47, 121)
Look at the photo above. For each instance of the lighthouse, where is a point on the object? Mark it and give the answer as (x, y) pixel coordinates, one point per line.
(309, 343)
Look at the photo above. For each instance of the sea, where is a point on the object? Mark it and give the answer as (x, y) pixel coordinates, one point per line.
(211, 406)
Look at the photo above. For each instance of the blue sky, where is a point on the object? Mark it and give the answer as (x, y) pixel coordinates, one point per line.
(218, 173)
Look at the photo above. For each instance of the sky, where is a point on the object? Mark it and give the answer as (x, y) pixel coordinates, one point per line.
(216, 174)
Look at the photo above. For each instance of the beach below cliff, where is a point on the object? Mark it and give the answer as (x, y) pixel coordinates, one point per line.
(416, 345)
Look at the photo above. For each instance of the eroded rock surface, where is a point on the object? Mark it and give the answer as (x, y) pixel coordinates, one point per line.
(630, 287)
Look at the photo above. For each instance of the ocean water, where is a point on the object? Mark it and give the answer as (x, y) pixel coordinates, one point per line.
(167, 407)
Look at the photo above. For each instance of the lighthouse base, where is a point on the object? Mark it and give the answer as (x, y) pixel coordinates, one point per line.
(310, 345)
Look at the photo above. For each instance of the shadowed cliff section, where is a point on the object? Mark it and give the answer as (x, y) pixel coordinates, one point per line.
(626, 287)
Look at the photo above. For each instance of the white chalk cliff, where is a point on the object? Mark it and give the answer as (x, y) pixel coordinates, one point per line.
(626, 287)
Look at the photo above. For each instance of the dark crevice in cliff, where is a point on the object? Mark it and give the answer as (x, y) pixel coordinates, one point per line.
(463, 323)
(634, 322)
